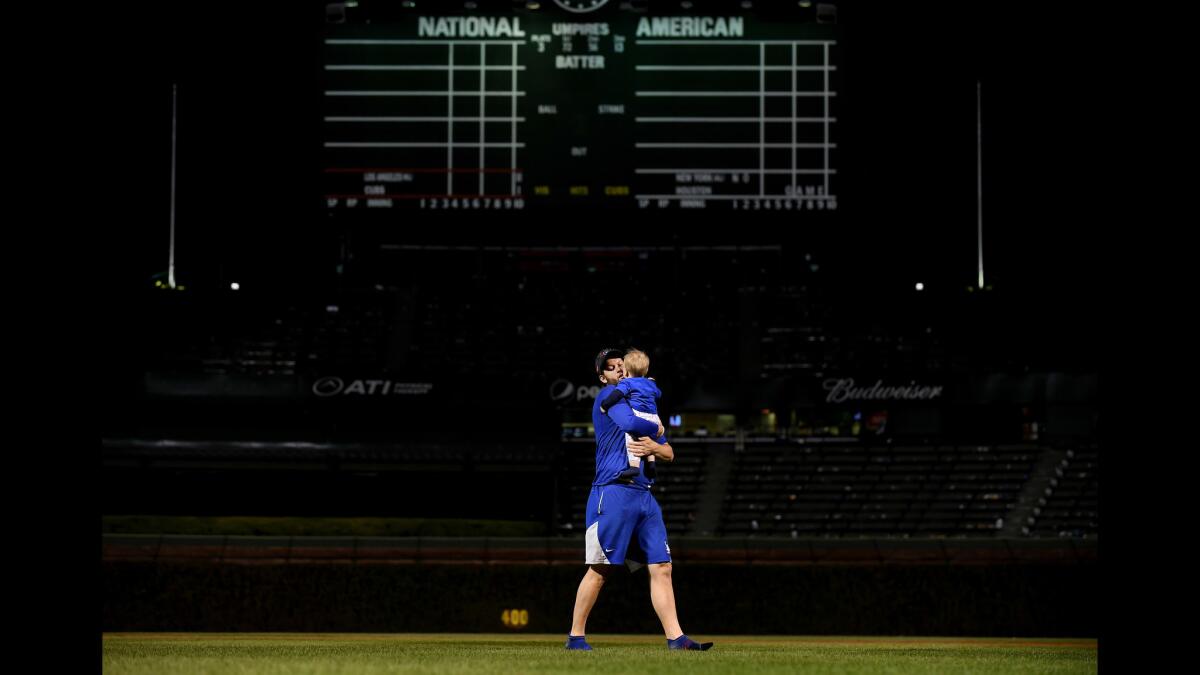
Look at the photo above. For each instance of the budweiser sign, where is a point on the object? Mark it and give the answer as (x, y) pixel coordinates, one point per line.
(841, 390)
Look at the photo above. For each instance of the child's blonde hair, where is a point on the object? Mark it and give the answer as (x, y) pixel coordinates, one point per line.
(637, 363)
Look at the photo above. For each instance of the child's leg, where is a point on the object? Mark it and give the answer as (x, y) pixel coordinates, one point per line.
(634, 461)
(649, 467)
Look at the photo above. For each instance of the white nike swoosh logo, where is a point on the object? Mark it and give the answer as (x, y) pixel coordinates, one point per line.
(609, 550)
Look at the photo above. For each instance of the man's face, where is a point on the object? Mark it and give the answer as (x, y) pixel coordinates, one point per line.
(614, 370)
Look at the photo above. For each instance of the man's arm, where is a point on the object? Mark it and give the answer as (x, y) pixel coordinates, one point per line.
(622, 415)
(644, 446)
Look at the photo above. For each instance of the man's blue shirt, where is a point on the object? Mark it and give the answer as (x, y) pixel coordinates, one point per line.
(611, 427)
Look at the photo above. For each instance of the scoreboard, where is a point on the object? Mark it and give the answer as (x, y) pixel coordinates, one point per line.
(579, 104)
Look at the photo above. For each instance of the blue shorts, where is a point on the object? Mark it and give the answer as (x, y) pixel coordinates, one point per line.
(624, 525)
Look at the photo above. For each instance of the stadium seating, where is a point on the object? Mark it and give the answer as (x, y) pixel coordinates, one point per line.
(731, 318)
(838, 491)
(770, 489)
(1070, 507)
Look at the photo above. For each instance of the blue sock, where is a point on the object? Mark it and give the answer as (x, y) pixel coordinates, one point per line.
(578, 642)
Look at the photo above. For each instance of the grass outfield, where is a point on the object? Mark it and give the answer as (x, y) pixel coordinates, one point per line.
(364, 654)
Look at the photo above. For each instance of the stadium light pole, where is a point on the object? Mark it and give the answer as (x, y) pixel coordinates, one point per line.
(171, 256)
(979, 174)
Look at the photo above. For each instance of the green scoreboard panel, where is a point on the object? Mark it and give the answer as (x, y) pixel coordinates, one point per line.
(580, 105)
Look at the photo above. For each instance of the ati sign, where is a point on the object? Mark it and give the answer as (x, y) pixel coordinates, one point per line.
(336, 386)
(563, 391)
(842, 390)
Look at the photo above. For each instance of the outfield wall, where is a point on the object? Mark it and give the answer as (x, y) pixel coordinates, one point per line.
(758, 591)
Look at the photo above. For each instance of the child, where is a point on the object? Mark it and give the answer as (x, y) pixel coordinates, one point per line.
(643, 395)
